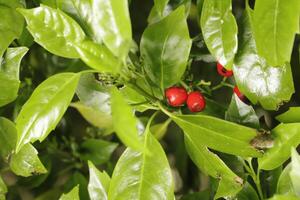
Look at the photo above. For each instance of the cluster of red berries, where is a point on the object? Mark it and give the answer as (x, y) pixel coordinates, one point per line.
(178, 96)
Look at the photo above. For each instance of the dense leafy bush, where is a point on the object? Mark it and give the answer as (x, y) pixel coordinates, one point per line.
(163, 100)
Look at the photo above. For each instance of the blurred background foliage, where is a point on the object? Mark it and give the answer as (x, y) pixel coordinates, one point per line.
(74, 141)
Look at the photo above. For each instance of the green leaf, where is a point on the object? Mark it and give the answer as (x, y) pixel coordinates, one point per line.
(26, 162)
(260, 82)
(160, 129)
(11, 24)
(78, 179)
(165, 48)
(96, 150)
(44, 109)
(241, 113)
(8, 137)
(160, 6)
(72, 195)
(98, 183)
(209, 163)
(285, 136)
(94, 116)
(218, 134)
(291, 116)
(3, 189)
(142, 176)
(284, 197)
(295, 172)
(124, 121)
(219, 30)
(54, 30)
(284, 185)
(94, 102)
(247, 193)
(275, 24)
(98, 57)
(111, 26)
(9, 74)
(135, 99)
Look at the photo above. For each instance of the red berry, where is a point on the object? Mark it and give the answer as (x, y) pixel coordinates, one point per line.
(222, 71)
(176, 96)
(238, 93)
(196, 101)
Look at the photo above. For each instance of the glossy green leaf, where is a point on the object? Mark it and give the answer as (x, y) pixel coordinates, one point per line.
(94, 102)
(209, 163)
(26, 162)
(98, 183)
(241, 113)
(218, 134)
(9, 74)
(219, 30)
(98, 57)
(160, 6)
(97, 150)
(3, 189)
(260, 82)
(8, 137)
(284, 185)
(290, 116)
(44, 109)
(54, 30)
(106, 22)
(72, 195)
(142, 176)
(124, 121)
(165, 48)
(285, 136)
(284, 197)
(275, 24)
(11, 24)
(295, 172)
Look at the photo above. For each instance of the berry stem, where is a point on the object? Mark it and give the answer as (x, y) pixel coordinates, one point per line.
(183, 84)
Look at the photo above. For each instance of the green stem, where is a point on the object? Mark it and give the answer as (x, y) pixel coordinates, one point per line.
(222, 84)
(142, 92)
(164, 110)
(185, 85)
(255, 176)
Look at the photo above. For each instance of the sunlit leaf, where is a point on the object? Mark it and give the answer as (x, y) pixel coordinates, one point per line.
(295, 171)
(260, 82)
(11, 24)
(142, 176)
(8, 137)
(26, 162)
(3, 189)
(209, 163)
(284, 185)
(275, 24)
(54, 30)
(124, 122)
(291, 116)
(218, 134)
(219, 30)
(44, 109)
(72, 195)
(165, 48)
(98, 183)
(9, 74)
(285, 136)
